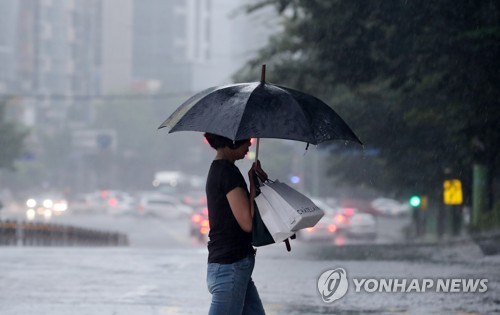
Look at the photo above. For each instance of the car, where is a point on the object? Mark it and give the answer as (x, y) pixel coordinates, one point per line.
(352, 206)
(81, 203)
(361, 225)
(326, 229)
(87, 203)
(162, 206)
(195, 198)
(112, 202)
(391, 207)
(199, 225)
(118, 202)
(46, 205)
(341, 219)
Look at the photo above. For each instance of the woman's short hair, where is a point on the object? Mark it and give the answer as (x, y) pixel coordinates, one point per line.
(217, 141)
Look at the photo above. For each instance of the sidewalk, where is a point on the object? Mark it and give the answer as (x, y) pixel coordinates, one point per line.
(461, 249)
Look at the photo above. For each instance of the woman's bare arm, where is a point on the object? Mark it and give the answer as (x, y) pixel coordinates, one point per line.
(241, 207)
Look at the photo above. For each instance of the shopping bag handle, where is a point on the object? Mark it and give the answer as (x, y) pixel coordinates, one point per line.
(287, 243)
(258, 181)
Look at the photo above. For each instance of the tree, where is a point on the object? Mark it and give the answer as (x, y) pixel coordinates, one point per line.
(11, 139)
(416, 80)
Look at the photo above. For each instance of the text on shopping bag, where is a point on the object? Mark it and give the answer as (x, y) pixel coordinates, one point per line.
(295, 209)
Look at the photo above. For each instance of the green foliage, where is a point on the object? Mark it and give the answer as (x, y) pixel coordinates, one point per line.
(416, 80)
(11, 140)
(489, 220)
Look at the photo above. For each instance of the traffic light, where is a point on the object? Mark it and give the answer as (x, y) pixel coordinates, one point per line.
(415, 201)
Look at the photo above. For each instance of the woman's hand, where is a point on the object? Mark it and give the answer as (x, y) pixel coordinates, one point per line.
(257, 169)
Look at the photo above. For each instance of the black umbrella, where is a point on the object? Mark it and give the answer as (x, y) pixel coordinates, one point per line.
(260, 110)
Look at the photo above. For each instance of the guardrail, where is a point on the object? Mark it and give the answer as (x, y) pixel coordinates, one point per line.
(14, 233)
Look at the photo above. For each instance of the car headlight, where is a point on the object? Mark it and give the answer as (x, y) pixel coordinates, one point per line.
(30, 214)
(60, 206)
(47, 214)
(31, 203)
(47, 203)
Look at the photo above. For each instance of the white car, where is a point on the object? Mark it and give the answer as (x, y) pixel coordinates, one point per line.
(389, 206)
(46, 206)
(362, 225)
(118, 202)
(163, 206)
(326, 229)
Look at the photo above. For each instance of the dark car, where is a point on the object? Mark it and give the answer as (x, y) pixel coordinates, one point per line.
(199, 225)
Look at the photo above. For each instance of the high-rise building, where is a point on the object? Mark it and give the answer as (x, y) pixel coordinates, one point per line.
(8, 40)
(61, 57)
(116, 46)
(188, 45)
(57, 52)
(157, 26)
(49, 54)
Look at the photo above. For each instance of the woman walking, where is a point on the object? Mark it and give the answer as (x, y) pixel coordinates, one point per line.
(231, 256)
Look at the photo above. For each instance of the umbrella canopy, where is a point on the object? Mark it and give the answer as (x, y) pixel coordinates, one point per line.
(260, 110)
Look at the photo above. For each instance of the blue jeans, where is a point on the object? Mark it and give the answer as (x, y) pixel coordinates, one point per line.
(233, 291)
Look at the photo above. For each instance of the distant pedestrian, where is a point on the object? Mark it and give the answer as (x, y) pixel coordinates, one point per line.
(231, 256)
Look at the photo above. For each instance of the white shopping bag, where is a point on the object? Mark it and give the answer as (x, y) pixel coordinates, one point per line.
(292, 209)
(275, 225)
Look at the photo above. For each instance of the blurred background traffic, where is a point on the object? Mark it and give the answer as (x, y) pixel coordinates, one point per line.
(176, 202)
(84, 86)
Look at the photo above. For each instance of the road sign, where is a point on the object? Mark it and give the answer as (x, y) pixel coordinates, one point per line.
(452, 194)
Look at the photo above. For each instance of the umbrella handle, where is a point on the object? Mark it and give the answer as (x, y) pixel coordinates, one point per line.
(257, 151)
(262, 79)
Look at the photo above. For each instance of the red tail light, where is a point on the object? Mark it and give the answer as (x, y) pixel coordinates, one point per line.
(204, 227)
(196, 218)
(204, 230)
(340, 218)
(112, 202)
(332, 228)
(348, 211)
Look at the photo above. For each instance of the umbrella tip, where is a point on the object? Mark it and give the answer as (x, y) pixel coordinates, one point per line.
(263, 74)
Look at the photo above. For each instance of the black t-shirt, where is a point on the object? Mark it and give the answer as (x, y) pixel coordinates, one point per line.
(228, 242)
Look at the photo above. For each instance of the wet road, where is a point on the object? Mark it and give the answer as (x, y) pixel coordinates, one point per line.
(172, 281)
(163, 272)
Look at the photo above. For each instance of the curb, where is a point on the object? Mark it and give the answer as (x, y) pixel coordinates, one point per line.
(461, 250)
